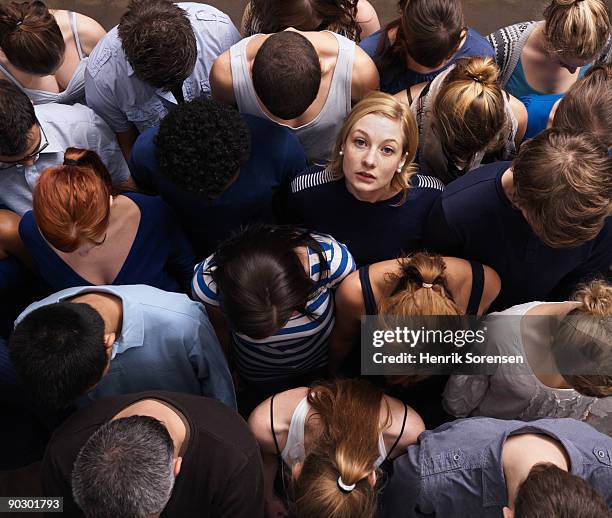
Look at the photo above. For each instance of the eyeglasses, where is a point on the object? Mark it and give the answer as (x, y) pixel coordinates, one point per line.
(42, 145)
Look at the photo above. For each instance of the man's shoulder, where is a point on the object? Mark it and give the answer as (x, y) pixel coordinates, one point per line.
(204, 13)
(107, 55)
(54, 114)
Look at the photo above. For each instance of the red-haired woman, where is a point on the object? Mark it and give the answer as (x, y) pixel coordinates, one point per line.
(81, 232)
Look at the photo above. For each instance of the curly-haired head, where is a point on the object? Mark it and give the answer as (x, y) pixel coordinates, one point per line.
(201, 146)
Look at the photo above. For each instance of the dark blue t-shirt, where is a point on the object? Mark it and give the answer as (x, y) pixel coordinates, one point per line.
(474, 219)
(276, 157)
(395, 77)
(160, 255)
(372, 231)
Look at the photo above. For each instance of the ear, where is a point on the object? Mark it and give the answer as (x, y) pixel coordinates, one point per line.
(109, 340)
(176, 466)
(296, 470)
(372, 478)
(403, 161)
(508, 513)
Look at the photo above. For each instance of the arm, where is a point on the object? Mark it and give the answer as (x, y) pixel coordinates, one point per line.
(365, 76)
(413, 428)
(464, 393)
(90, 32)
(10, 240)
(221, 83)
(126, 140)
(492, 287)
(367, 18)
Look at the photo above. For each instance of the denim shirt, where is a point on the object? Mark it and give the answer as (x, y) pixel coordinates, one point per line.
(456, 470)
(166, 343)
(115, 92)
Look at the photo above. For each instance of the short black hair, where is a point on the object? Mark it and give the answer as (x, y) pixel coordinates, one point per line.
(287, 74)
(159, 43)
(16, 119)
(58, 353)
(201, 145)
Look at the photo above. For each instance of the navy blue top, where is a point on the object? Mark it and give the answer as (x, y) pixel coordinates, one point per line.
(474, 219)
(372, 232)
(395, 77)
(538, 112)
(160, 255)
(276, 157)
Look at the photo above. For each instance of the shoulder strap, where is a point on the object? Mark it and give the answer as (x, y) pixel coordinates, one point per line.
(278, 452)
(401, 432)
(366, 291)
(75, 33)
(409, 95)
(477, 288)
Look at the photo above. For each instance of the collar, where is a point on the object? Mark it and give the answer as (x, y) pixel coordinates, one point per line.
(132, 329)
(54, 146)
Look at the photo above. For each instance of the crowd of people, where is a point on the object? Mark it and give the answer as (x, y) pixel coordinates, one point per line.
(195, 220)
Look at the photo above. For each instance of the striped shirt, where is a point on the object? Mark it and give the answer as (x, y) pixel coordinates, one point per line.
(301, 345)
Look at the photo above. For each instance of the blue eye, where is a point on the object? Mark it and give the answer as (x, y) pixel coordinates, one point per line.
(359, 142)
(387, 150)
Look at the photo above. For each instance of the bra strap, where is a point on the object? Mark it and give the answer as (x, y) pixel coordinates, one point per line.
(477, 288)
(400, 434)
(278, 452)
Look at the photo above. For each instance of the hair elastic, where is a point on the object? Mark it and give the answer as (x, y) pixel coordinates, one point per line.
(345, 488)
(18, 23)
(70, 161)
(427, 285)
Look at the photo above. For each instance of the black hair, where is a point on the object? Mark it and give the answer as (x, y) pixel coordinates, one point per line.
(58, 352)
(287, 74)
(16, 119)
(261, 280)
(201, 146)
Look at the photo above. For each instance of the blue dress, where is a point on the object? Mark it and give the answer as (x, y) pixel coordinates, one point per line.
(160, 255)
(538, 112)
(396, 77)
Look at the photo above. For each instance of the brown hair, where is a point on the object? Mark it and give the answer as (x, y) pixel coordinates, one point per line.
(388, 106)
(563, 185)
(428, 30)
(469, 111)
(588, 104)
(550, 491)
(72, 202)
(158, 41)
(583, 341)
(303, 15)
(578, 28)
(347, 448)
(31, 38)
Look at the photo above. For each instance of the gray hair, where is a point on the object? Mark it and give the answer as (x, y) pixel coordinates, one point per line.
(125, 469)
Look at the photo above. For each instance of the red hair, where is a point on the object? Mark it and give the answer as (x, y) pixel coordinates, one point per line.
(71, 202)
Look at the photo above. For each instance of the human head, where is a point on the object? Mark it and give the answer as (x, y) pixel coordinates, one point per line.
(201, 146)
(261, 280)
(430, 31)
(19, 132)
(287, 74)
(577, 30)
(346, 449)
(158, 41)
(582, 345)
(31, 38)
(347, 152)
(469, 113)
(71, 202)
(555, 493)
(588, 104)
(126, 468)
(563, 186)
(306, 15)
(60, 351)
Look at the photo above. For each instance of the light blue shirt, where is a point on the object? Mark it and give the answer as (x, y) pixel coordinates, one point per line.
(113, 90)
(64, 126)
(166, 343)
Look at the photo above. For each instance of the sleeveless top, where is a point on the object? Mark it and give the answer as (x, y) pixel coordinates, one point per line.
(432, 159)
(294, 451)
(75, 90)
(473, 303)
(538, 112)
(319, 135)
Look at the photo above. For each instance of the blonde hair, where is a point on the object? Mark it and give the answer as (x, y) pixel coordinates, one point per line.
(347, 448)
(578, 28)
(588, 104)
(469, 112)
(586, 334)
(379, 103)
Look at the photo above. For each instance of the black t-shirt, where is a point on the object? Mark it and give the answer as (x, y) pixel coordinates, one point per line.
(221, 473)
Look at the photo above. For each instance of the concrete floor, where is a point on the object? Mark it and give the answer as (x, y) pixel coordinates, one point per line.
(484, 15)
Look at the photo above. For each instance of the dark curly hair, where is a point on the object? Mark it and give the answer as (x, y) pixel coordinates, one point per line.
(201, 146)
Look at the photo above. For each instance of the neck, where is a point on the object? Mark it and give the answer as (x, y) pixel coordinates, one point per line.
(372, 196)
(109, 307)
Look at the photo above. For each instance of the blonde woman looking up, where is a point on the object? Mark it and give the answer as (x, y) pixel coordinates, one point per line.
(463, 115)
(548, 56)
(369, 196)
(44, 52)
(332, 439)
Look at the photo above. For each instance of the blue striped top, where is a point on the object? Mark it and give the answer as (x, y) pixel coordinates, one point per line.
(301, 345)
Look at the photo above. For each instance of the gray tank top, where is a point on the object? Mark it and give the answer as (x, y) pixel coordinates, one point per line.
(74, 92)
(319, 135)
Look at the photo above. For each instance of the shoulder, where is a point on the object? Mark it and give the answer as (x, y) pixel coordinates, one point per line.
(340, 262)
(480, 180)
(365, 73)
(509, 34)
(221, 81)
(349, 292)
(204, 13)
(421, 181)
(314, 176)
(60, 115)
(370, 44)
(476, 44)
(90, 32)
(100, 57)
(412, 427)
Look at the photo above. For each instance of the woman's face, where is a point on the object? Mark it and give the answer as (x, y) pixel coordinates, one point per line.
(373, 152)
